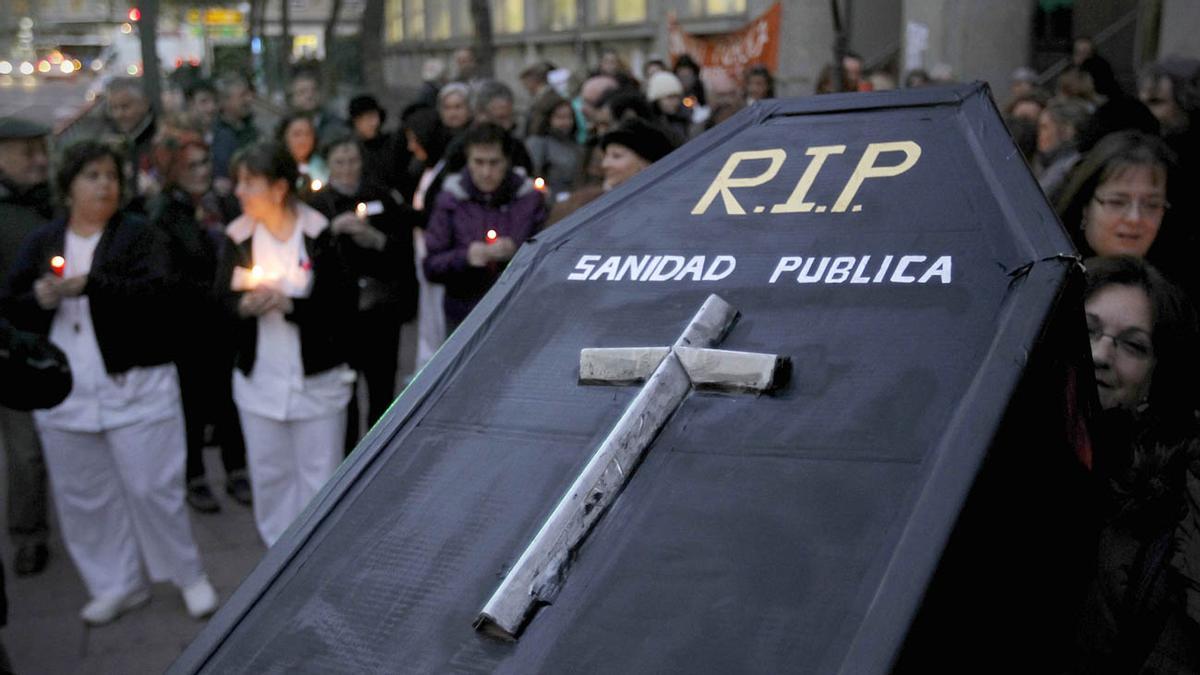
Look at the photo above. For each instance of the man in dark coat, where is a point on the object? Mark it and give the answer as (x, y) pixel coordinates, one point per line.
(24, 206)
(234, 128)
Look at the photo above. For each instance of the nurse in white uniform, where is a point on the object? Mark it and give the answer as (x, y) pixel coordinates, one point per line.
(96, 284)
(287, 283)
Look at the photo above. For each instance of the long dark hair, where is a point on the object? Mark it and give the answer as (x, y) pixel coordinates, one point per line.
(287, 120)
(1174, 333)
(1145, 454)
(1113, 154)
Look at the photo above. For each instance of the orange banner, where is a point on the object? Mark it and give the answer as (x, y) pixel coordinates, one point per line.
(755, 44)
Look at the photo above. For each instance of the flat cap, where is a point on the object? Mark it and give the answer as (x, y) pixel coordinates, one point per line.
(19, 127)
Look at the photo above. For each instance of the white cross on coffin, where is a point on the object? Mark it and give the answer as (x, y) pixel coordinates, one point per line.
(669, 374)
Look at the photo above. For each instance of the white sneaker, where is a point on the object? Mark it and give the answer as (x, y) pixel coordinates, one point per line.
(200, 598)
(105, 608)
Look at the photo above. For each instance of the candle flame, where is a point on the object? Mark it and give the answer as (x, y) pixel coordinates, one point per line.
(316, 185)
(539, 184)
(361, 210)
(58, 262)
(689, 101)
(492, 235)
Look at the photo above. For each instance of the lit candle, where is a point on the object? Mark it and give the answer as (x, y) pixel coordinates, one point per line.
(539, 184)
(491, 236)
(58, 264)
(361, 211)
(316, 185)
(688, 101)
(256, 276)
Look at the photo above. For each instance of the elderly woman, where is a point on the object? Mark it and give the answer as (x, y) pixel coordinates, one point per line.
(376, 233)
(1143, 609)
(193, 217)
(628, 149)
(454, 107)
(283, 279)
(96, 284)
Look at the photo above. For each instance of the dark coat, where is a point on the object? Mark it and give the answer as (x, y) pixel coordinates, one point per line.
(1142, 613)
(194, 248)
(463, 215)
(324, 318)
(386, 277)
(128, 288)
(21, 212)
(227, 140)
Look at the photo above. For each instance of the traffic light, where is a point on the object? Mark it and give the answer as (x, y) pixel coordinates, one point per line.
(135, 14)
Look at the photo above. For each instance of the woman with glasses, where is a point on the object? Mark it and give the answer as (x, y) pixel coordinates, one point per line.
(1143, 608)
(1115, 201)
(96, 283)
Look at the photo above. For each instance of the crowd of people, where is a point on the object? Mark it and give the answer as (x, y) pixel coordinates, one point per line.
(214, 283)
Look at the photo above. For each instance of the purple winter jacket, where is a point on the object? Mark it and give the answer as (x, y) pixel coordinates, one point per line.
(462, 214)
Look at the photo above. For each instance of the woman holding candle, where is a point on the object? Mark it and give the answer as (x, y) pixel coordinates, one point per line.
(298, 133)
(193, 217)
(376, 233)
(115, 447)
(283, 277)
(486, 195)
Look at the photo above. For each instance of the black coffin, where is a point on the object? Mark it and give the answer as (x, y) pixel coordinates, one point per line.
(908, 499)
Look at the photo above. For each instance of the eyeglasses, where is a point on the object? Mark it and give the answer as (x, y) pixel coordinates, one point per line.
(1134, 347)
(1121, 205)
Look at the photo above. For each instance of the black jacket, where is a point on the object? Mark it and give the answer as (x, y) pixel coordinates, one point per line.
(386, 277)
(324, 318)
(128, 289)
(1143, 609)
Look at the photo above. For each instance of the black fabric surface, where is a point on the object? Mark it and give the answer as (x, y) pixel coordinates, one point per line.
(794, 532)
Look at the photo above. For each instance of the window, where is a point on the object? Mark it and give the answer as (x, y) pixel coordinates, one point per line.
(619, 11)
(716, 7)
(557, 14)
(439, 21)
(393, 20)
(414, 28)
(508, 16)
(404, 19)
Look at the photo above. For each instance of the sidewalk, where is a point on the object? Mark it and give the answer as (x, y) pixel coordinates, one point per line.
(45, 635)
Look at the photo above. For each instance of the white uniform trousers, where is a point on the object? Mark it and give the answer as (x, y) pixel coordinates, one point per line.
(289, 463)
(119, 495)
(431, 316)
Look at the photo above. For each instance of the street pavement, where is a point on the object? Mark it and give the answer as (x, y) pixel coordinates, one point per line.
(44, 633)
